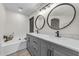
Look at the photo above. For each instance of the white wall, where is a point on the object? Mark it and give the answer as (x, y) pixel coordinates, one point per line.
(2, 21)
(12, 22)
(70, 31)
(16, 23)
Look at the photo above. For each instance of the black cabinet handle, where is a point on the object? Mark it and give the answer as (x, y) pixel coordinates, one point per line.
(50, 52)
(35, 49)
(35, 42)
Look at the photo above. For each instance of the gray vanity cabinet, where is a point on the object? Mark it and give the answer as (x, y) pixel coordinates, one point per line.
(41, 47)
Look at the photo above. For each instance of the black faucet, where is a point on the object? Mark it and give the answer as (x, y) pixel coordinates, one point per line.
(57, 34)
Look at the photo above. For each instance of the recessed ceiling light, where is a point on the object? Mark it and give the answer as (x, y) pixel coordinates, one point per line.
(20, 9)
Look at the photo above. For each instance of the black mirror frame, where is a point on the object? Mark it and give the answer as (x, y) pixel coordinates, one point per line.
(58, 6)
(36, 21)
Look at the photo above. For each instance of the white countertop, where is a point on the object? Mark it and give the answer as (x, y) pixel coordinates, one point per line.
(66, 42)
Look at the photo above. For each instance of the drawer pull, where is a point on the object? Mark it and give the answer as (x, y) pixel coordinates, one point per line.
(35, 42)
(35, 49)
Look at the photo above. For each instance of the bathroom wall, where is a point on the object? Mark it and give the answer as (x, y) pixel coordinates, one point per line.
(12, 22)
(71, 31)
(2, 21)
(16, 23)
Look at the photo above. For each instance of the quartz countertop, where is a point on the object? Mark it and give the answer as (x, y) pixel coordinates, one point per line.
(66, 42)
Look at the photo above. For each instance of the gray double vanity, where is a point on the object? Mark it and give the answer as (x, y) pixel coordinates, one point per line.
(51, 45)
(45, 45)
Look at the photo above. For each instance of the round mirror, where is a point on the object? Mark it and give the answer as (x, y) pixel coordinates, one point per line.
(61, 16)
(39, 22)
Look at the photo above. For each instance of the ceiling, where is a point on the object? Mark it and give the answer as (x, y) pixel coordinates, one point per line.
(28, 8)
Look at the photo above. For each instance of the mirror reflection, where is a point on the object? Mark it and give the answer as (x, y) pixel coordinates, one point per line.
(39, 22)
(61, 16)
(55, 23)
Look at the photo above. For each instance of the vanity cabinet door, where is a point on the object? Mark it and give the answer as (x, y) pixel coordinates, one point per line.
(44, 48)
(44, 51)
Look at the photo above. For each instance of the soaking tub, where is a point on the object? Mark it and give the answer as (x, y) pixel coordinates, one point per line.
(7, 48)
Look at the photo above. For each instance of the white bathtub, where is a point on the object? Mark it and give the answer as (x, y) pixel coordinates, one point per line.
(7, 48)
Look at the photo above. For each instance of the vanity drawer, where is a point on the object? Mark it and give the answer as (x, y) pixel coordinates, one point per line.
(36, 50)
(36, 41)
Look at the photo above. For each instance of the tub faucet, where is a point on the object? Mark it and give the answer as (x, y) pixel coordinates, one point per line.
(57, 34)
